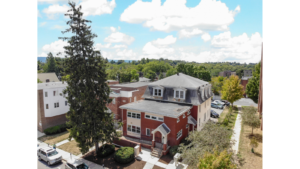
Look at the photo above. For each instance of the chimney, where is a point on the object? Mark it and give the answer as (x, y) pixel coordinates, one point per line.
(177, 74)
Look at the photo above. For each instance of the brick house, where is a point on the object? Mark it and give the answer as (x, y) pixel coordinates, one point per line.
(244, 82)
(227, 73)
(172, 107)
(260, 96)
(51, 105)
(125, 93)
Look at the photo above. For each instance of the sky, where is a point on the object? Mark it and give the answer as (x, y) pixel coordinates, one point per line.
(190, 30)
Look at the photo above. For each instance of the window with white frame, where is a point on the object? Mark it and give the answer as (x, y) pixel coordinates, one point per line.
(128, 114)
(187, 125)
(179, 94)
(178, 119)
(56, 105)
(148, 132)
(134, 129)
(157, 92)
(54, 92)
(114, 101)
(130, 100)
(154, 117)
(46, 94)
(160, 119)
(134, 115)
(66, 103)
(184, 115)
(47, 107)
(179, 134)
(147, 116)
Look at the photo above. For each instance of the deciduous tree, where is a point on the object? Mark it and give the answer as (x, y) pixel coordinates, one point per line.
(232, 89)
(151, 75)
(252, 88)
(250, 117)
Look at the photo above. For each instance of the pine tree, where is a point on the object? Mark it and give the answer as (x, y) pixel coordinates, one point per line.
(252, 88)
(51, 63)
(87, 90)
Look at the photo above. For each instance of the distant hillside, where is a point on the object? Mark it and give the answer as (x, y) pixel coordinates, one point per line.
(43, 59)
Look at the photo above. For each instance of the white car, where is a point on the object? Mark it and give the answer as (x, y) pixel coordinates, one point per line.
(75, 164)
(49, 155)
(218, 102)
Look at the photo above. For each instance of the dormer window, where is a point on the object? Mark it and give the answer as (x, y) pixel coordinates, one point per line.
(157, 91)
(179, 93)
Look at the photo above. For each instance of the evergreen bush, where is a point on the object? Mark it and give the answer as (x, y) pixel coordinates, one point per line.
(124, 155)
(106, 150)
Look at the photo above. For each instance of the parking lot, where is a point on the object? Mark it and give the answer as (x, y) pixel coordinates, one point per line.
(219, 111)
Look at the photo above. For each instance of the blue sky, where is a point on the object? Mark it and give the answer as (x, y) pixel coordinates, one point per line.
(191, 30)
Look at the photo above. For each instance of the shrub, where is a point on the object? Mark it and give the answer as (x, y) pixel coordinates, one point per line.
(106, 150)
(124, 155)
(56, 129)
(185, 141)
(225, 121)
(173, 150)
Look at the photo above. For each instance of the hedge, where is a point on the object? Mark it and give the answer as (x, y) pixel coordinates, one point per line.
(56, 129)
(106, 150)
(173, 150)
(185, 142)
(124, 155)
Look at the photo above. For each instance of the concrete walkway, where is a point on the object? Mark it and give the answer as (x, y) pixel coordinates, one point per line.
(237, 131)
(40, 134)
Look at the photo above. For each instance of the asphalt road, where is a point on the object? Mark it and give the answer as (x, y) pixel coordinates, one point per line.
(219, 111)
(43, 165)
(242, 101)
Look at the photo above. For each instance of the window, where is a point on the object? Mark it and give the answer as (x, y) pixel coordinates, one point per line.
(129, 128)
(187, 125)
(147, 116)
(54, 93)
(157, 92)
(47, 80)
(114, 101)
(47, 107)
(138, 116)
(128, 114)
(148, 132)
(178, 119)
(179, 94)
(161, 119)
(179, 134)
(133, 115)
(183, 115)
(133, 129)
(46, 94)
(153, 117)
(54, 105)
(114, 116)
(66, 102)
(138, 129)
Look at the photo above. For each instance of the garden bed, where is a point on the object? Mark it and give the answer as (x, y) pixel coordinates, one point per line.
(166, 159)
(110, 163)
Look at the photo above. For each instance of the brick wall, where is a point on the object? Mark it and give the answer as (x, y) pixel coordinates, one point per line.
(127, 143)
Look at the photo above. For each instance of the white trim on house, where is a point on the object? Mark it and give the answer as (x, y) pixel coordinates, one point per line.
(179, 134)
(161, 89)
(179, 90)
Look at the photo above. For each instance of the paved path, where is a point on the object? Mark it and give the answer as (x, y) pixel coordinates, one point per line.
(237, 131)
(40, 134)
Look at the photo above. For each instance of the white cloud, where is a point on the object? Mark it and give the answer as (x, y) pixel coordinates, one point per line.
(39, 14)
(119, 46)
(206, 37)
(55, 1)
(55, 47)
(159, 47)
(113, 29)
(184, 33)
(119, 28)
(99, 46)
(166, 41)
(118, 37)
(97, 7)
(126, 53)
(59, 27)
(208, 15)
(53, 10)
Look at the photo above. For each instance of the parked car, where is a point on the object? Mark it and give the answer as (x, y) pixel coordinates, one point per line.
(218, 102)
(75, 164)
(217, 106)
(227, 103)
(214, 114)
(49, 155)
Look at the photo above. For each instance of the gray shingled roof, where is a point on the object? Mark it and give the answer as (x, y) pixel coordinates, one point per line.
(181, 80)
(156, 107)
(143, 79)
(191, 120)
(163, 128)
(136, 84)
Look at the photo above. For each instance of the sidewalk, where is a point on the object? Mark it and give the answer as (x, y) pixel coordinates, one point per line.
(237, 131)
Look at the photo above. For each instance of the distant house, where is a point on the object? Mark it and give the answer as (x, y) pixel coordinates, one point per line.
(227, 73)
(143, 79)
(172, 107)
(244, 82)
(48, 77)
(112, 82)
(247, 73)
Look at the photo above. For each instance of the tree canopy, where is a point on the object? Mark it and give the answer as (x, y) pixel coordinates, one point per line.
(250, 117)
(232, 89)
(252, 88)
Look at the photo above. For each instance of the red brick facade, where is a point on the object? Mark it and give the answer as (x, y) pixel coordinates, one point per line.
(244, 84)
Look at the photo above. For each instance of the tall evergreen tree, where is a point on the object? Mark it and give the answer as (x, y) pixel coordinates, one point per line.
(51, 63)
(252, 88)
(87, 90)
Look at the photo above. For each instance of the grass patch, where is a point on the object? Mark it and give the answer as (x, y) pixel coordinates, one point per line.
(55, 138)
(232, 118)
(70, 147)
(251, 160)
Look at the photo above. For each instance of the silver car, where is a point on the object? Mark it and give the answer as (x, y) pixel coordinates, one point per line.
(49, 155)
(75, 164)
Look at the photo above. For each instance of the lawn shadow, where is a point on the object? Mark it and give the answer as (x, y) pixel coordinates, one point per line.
(257, 154)
(257, 136)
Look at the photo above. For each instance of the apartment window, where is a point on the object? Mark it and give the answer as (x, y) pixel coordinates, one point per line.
(179, 134)
(114, 116)
(161, 119)
(47, 107)
(46, 94)
(157, 92)
(114, 101)
(148, 132)
(147, 116)
(128, 114)
(133, 129)
(138, 129)
(187, 126)
(183, 115)
(179, 94)
(178, 119)
(133, 115)
(138, 116)
(66, 102)
(153, 117)
(54, 92)
(129, 128)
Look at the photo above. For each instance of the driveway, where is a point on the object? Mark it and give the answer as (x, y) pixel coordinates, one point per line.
(219, 111)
